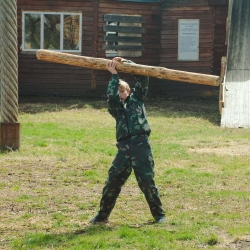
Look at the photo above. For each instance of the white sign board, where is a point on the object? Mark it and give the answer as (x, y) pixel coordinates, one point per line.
(188, 39)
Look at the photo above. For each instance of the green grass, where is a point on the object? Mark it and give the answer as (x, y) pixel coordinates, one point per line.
(52, 186)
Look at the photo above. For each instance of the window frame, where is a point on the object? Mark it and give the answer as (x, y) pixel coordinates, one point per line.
(62, 14)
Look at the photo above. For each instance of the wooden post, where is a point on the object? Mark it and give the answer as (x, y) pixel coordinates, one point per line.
(222, 74)
(95, 38)
(9, 126)
(10, 139)
(100, 63)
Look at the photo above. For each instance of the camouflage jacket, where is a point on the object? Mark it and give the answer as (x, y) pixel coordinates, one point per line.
(131, 117)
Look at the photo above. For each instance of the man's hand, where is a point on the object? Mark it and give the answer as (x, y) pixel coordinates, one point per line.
(119, 59)
(112, 64)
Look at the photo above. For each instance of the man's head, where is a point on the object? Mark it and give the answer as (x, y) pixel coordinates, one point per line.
(123, 90)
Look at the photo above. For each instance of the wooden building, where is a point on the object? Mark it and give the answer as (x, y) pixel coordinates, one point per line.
(186, 35)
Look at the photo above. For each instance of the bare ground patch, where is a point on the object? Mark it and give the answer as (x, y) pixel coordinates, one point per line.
(234, 149)
(239, 244)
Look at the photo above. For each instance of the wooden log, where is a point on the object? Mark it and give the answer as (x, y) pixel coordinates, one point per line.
(222, 74)
(138, 69)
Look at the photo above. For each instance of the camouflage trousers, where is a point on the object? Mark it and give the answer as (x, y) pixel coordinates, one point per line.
(133, 153)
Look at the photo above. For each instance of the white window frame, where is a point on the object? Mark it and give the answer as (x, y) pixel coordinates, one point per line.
(111, 53)
(42, 13)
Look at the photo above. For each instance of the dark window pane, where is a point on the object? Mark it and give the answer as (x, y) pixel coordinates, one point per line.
(32, 31)
(52, 31)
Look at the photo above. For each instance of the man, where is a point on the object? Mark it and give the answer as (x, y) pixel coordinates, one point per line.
(134, 150)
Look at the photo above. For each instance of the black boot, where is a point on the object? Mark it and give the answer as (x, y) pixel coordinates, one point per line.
(98, 219)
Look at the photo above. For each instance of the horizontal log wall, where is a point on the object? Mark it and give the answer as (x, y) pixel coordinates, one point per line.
(43, 78)
(160, 42)
(211, 39)
(220, 48)
(151, 37)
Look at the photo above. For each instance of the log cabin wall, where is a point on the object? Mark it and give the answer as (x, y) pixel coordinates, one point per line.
(212, 17)
(220, 33)
(150, 12)
(43, 78)
(159, 42)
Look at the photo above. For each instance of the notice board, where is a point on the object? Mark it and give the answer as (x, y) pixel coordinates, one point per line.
(188, 39)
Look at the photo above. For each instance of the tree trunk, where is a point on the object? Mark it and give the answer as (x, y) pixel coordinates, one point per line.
(132, 68)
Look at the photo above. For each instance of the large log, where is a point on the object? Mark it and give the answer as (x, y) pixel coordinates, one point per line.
(139, 69)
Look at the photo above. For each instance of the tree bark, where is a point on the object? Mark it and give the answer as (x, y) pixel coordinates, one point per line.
(132, 68)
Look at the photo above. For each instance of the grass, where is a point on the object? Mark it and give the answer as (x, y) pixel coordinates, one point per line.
(52, 186)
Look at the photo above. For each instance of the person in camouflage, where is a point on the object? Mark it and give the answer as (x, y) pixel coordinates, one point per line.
(134, 150)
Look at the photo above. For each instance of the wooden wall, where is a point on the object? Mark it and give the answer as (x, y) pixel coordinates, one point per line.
(160, 42)
(220, 49)
(37, 77)
(151, 12)
(212, 16)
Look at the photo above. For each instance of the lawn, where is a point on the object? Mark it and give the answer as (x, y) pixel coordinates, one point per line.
(52, 186)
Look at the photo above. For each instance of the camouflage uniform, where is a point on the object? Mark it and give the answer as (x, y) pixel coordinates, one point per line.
(134, 150)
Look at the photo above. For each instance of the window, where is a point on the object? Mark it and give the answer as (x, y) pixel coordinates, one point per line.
(123, 35)
(51, 30)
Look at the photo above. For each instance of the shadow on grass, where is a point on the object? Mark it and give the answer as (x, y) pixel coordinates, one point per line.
(38, 104)
(47, 240)
(175, 106)
(181, 107)
(89, 236)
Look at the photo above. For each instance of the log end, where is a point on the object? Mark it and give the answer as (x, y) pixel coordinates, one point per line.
(39, 54)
